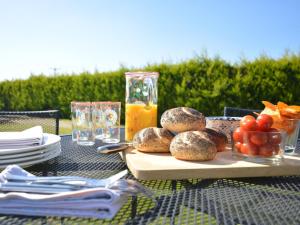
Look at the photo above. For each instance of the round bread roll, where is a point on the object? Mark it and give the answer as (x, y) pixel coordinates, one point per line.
(218, 137)
(152, 139)
(193, 145)
(182, 119)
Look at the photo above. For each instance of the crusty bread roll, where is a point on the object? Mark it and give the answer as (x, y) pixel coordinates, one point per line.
(218, 137)
(152, 139)
(193, 145)
(182, 119)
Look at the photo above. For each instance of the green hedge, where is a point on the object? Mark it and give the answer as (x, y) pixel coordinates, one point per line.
(202, 83)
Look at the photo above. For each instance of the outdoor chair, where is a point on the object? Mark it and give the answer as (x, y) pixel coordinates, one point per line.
(239, 112)
(20, 120)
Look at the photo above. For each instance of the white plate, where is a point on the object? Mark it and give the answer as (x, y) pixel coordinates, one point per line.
(19, 156)
(50, 155)
(30, 158)
(49, 139)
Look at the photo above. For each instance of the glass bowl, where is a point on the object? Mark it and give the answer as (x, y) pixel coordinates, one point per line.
(259, 146)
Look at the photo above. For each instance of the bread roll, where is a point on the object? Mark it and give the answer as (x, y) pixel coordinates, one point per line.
(218, 137)
(192, 145)
(225, 124)
(182, 119)
(152, 139)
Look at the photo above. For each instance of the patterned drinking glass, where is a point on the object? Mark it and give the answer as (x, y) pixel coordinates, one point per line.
(98, 120)
(111, 113)
(84, 124)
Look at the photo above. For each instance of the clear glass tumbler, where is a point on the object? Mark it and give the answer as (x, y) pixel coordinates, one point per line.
(291, 127)
(111, 113)
(141, 102)
(98, 120)
(84, 124)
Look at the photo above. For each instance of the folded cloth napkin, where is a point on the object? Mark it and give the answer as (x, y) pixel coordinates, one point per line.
(13, 140)
(100, 203)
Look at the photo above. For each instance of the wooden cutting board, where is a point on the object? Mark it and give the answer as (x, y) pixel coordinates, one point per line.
(161, 166)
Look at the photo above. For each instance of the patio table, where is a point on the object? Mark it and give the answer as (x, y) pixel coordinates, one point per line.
(272, 200)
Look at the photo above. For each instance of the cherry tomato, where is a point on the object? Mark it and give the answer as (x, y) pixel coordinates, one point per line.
(238, 146)
(238, 135)
(249, 149)
(274, 136)
(264, 122)
(244, 149)
(258, 138)
(248, 123)
(267, 150)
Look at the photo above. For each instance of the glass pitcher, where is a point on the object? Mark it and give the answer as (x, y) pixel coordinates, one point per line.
(141, 102)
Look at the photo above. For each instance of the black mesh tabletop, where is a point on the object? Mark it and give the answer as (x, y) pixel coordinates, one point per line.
(272, 200)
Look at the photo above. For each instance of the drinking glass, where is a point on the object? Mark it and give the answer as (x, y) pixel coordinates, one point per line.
(98, 120)
(111, 113)
(84, 124)
(73, 118)
(291, 126)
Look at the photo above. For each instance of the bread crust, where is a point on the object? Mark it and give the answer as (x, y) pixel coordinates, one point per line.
(194, 146)
(182, 119)
(218, 137)
(152, 139)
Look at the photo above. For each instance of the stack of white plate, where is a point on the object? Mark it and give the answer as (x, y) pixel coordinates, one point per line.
(27, 156)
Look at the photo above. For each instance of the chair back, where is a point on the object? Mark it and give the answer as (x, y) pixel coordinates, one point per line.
(239, 112)
(20, 120)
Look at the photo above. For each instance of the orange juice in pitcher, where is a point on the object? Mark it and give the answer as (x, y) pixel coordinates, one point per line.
(141, 102)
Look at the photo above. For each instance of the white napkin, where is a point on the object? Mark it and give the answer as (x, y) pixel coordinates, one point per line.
(100, 203)
(14, 140)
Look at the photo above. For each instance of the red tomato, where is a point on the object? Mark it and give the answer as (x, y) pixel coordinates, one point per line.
(248, 123)
(258, 138)
(244, 149)
(238, 146)
(238, 135)
(264, 122)
(274, 136)
(249, 149)
(267, 150)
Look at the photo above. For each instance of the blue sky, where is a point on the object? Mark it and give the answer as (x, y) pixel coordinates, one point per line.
(77, 35)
